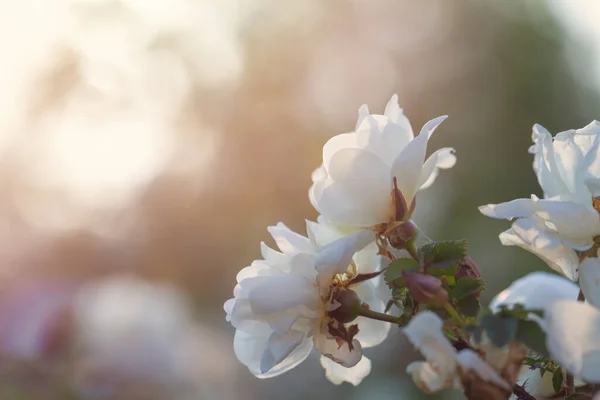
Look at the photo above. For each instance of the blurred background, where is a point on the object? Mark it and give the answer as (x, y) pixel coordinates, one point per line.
(145, 146)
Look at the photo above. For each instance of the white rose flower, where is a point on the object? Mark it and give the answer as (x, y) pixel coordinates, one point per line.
(355, 183)
(568, 170)
(290, 301)
(572, 327)
(443, 364)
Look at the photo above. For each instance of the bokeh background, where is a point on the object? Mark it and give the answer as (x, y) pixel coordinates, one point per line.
(145, 146)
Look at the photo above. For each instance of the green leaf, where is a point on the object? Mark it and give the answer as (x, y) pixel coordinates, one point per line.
(557, 380)
(500, 330)
(468, 306)
(443, 270)
(519, 311)
(531, 335)
(398, 299)
(466, 286)
(393, 273)
(446, 251)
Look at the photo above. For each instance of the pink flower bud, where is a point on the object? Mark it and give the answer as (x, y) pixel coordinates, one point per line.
(425, 289)
(467, 268)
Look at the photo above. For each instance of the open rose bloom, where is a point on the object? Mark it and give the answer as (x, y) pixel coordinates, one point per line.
(566, 220)
(353, 186)
(302, 297)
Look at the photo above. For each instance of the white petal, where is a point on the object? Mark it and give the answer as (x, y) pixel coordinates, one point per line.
(428, 379)
(335, 257)
(425, 333)
(367, 260)
(273, 257)
(261, 268)
(442, 159)
(534, 384)
(273, 294)
(228, 307)
(340, 354)
(322, 233)
(576, 153)
(536, 291)
(363, 112)
(573, 329)
(396, 116)
(409, 164)
(469, 360)
(511, 209)
(279, 347)
(288, 241)
(357, 192)
(319, 174)
(544, 163)
(525, 234)
(337, 374)
(249, 350)
(589, 280)
(371, 332)
(572, 221)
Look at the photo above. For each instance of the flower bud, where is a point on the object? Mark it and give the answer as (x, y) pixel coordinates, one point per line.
(400, 209)
(345, 305)
(425, 289)
(403, 236)
(467, 268)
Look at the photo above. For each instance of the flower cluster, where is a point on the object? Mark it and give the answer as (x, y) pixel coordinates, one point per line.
(325, 290)
(322, 291)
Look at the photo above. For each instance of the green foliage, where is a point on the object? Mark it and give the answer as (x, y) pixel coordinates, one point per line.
(501, 330)
(443, 255)
(557, 380)
(466, 287)
(532, 336)
(512, 324)
(399, 298)
(468, 306)
(541, 363)
(393, 273)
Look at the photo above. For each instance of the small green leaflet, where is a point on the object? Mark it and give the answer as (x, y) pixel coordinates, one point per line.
(466, 286)
(393, 273)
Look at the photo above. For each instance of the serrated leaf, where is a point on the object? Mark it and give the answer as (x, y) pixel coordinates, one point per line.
(393, 273)
(446, 251)
(557, 380)
(466, 286)
(500, 330)
(446, 269)
(531, 335)
(468, 306)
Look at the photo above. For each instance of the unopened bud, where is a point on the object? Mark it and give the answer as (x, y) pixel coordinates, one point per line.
(401, 210)
(467, 268)
(399, 206)
(403, 236)
(345, 305)
(425, 289)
